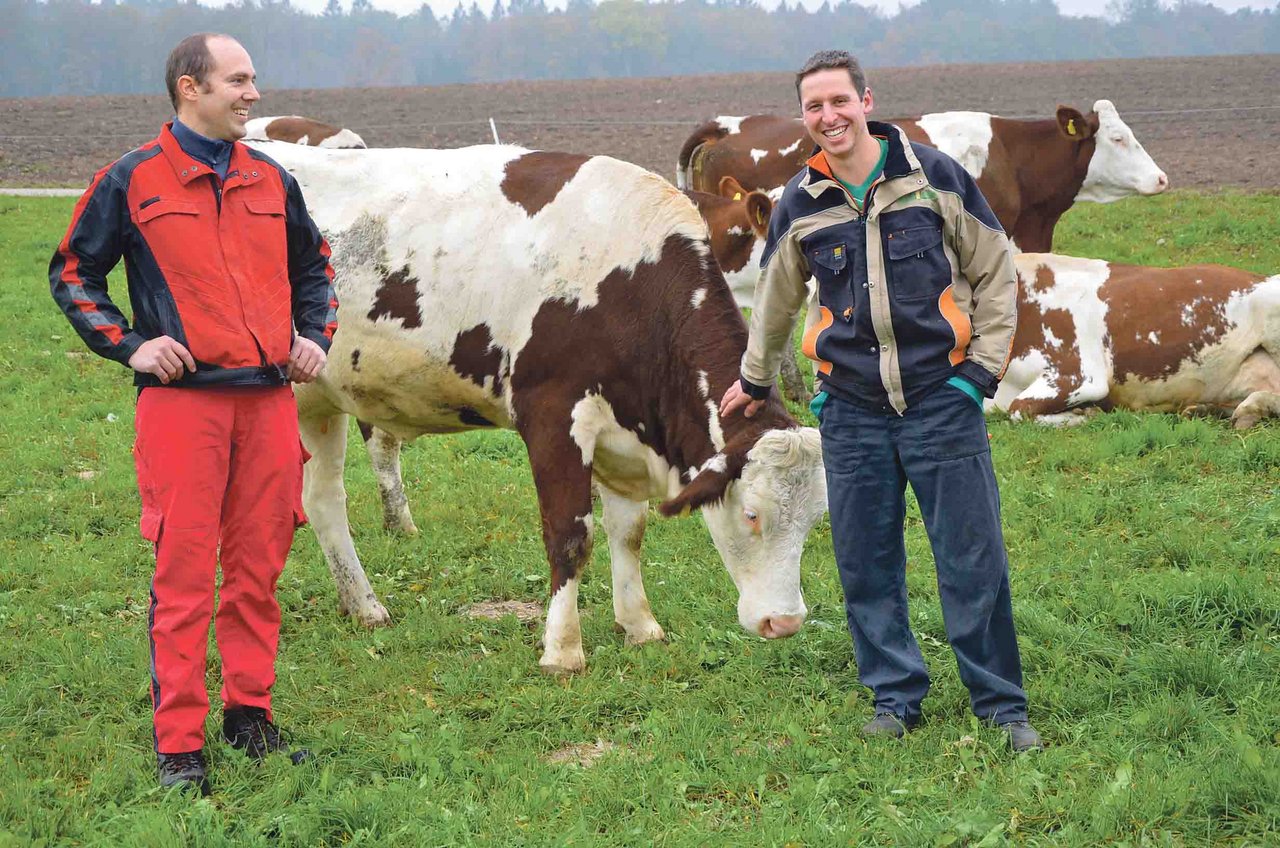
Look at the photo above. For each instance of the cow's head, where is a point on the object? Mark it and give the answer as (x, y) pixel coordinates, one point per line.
(1120, 166)
(760, 498)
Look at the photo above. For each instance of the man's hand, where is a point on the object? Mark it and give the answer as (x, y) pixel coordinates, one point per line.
(306, 360)
(735, 398)
(163, 357)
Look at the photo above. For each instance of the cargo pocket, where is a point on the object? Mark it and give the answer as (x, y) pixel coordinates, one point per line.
(830, 265)
(152, 520)
(918, 265)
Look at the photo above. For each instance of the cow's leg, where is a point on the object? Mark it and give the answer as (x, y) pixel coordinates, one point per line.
(325, 498)
(624, 526)
(1254, 408)
(384, 456)
(563, 482)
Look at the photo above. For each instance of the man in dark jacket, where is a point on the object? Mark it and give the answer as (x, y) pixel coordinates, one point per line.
(916, 305)
(232, 298)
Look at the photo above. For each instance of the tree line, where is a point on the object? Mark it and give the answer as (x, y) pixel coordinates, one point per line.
(52, 47)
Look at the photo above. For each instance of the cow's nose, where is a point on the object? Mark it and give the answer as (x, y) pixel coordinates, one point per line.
(780, 626)
(1162, 182)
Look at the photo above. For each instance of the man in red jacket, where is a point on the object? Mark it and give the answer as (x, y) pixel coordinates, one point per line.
(232, 298)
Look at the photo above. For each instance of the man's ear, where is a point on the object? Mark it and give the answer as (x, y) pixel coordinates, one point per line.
(708, 487)
(1073, 125)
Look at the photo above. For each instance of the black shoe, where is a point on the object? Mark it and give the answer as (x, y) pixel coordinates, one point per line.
(887, 724)
(1022, 736)
(247, 729)
(185, 769)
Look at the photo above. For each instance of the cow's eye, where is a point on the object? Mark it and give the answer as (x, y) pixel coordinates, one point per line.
(752, 517)
(1119, 139)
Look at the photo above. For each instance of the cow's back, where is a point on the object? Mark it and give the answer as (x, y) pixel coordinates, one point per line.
(443, 258)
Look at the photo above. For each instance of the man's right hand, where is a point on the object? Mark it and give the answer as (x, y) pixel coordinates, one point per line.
(163, 357)
(735, 398)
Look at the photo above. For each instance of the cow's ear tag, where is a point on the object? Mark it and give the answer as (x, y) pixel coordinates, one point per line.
(737, 195)
(759, 217)
(1071, 126)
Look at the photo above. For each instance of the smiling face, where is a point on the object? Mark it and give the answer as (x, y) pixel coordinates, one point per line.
(219, 107)
(835, 115)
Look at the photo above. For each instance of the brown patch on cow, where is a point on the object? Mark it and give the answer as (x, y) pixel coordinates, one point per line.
(534, 180)
(355, 360)
(583, 754)
(397, 297)
(524, 611)
(291, 129)
(476, 357)
(731, 250)
(366, 429)
(1184, 307)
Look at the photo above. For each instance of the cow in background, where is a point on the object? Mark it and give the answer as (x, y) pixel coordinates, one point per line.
(572, 299)
(299, 130)
(1031, 172)
(1200, 338)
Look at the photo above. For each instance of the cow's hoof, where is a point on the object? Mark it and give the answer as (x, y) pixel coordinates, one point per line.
(1246, 421)
(563, 665)
(375, 615)
(405, 526)
(639, 635)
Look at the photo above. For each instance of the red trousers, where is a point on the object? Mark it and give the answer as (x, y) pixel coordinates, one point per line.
(220, 474)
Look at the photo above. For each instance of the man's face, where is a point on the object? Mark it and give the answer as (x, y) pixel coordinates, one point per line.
(220, 108)
(834, 115)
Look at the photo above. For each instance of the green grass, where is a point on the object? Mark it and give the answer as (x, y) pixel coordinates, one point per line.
(1145, 552)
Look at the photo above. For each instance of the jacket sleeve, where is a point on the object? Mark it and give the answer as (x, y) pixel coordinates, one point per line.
(986, 261)
(78, 270)
(780, 292)
(315, 304)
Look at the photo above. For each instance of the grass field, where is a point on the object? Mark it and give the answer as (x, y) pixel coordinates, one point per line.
(1145, 552)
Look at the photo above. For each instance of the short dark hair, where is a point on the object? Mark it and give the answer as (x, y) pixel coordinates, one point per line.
(826, 60)
(191, 58)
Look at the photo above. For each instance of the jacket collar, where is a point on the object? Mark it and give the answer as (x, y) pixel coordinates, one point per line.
(899, 161)
(243, 170)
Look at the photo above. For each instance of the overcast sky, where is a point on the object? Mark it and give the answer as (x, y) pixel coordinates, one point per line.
(446, 7)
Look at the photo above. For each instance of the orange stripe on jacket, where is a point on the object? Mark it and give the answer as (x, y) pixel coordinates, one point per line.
(810, 344)
(961, 327)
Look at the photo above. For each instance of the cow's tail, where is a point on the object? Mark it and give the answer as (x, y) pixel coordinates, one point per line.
(690, 159)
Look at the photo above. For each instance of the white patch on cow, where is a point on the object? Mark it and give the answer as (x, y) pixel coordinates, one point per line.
(704, 385)
(303, 140)
(342, 139)
(1188, 315)
(1120, 166)
(618, 459)
(1153, 337)
(562, 639)
(255, 129)
(743, 282)
(717, 464)
(1050, 339)
(757, 155)
(735, 230)
(731, 123)
(699, 295)
(787, 151)
(713, 425)
(964, 136)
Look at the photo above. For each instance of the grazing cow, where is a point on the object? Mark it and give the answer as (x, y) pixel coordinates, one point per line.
(1031, 172)
(298, 130)
(574, 300)
(1201, 337)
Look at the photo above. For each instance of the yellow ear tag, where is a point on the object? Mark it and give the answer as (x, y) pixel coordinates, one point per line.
(737, 195)
(1071, 126)
(759, 217)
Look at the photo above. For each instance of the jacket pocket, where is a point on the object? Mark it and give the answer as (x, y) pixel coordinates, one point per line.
(265, 206)
(151, 210)
(918, 266)
(831, 267)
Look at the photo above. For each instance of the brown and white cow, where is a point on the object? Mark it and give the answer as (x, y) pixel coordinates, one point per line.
(1031, 172)
(1094, 333)
(298, 130)
(574, 300)
(738, 222)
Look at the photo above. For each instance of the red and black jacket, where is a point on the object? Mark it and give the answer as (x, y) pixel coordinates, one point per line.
(230, 271)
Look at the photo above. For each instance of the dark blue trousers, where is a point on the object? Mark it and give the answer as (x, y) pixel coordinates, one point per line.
(940, 447)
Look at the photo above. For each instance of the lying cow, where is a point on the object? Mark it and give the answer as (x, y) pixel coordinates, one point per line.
(1202, 337)
(574, 300)
(1031, 172)
(305, 131)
